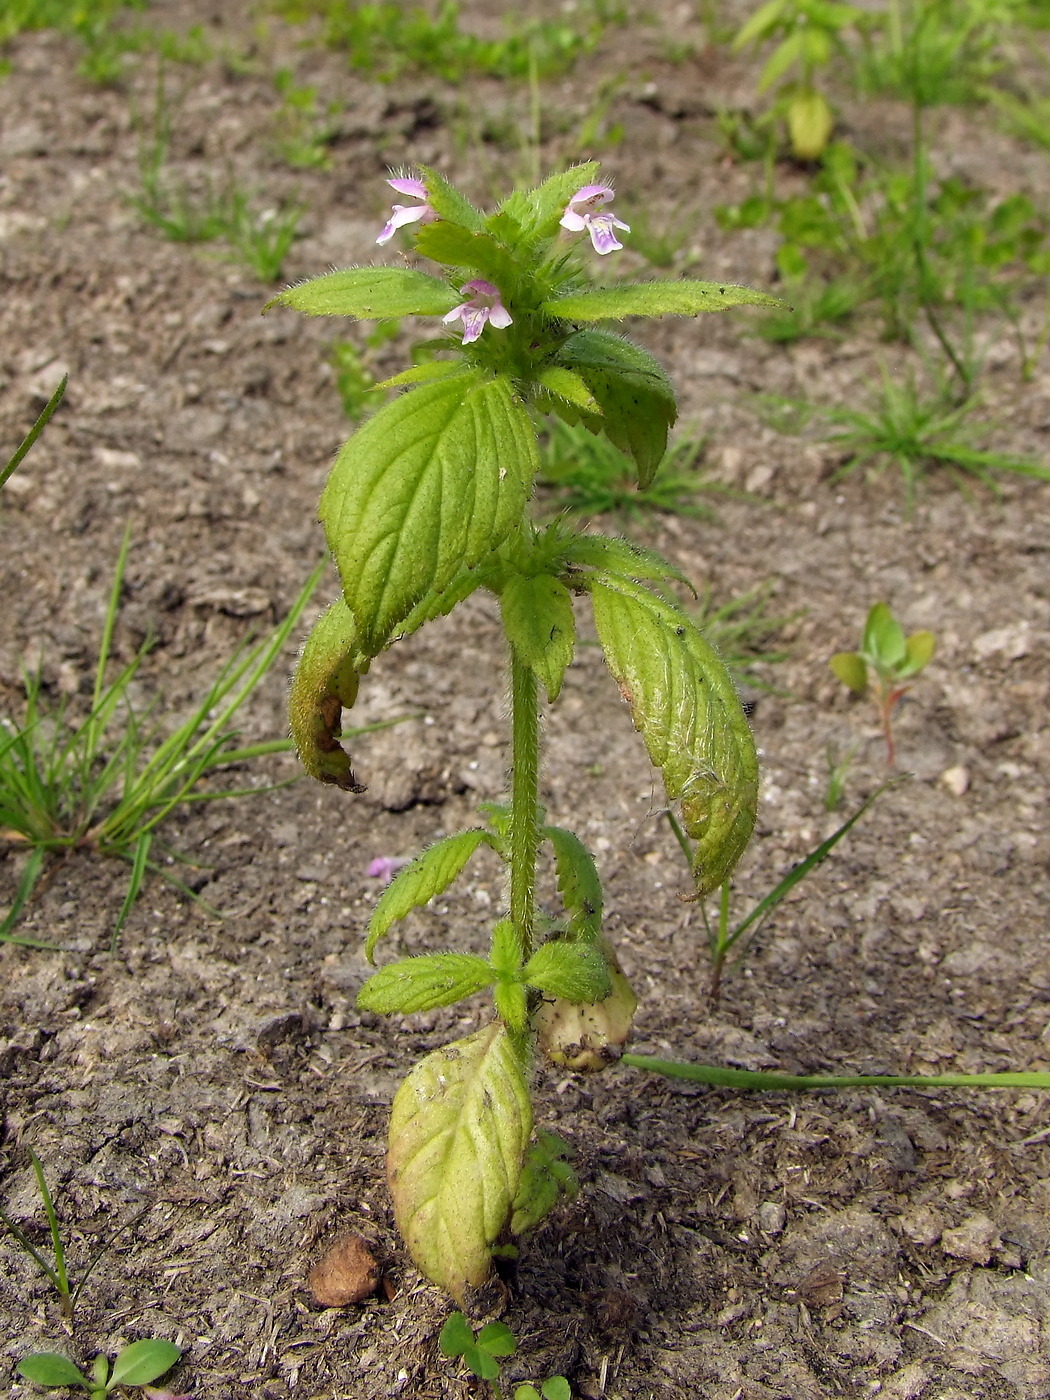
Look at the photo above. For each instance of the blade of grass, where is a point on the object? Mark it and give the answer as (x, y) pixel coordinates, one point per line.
(62, 1280)
(138, 874)
(760, 1079)
(34, 432)
(26, 885)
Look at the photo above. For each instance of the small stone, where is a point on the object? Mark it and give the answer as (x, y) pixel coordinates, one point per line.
(956, 780)
(348, 1273)
(921, 1225)
(974, 1240)
(771, 1217)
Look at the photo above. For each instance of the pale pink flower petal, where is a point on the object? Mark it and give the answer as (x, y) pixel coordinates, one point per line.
(407, 213)
(584, 211)
(386, 867)
(485, 307)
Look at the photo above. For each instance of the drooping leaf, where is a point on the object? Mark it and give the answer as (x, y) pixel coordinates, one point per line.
(573, 971)
(424, 982)
(681, 298)
(144, 1361)
(684, 704)
(851, 670)
(325, 682)
(370, 293)
(545, 1176)
(432, 871)
(458, 1131)
(636, 397)
(539, 623)
(48, 1368)
(578, 882)
(427, 486)
(538, 212)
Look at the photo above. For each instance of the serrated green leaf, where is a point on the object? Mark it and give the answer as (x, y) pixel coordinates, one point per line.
(578, 882)
(884, 643)
(572, 971)
(370, 293)
(512, 1005)
(619, 556)
(424, 982)
(432, 871)
(447, 202)
(458, 1131)
(920, 649)
(48, 1368)
(684, 704)
(325, 682)
(428, 486)
(851, 669)
(144, 1361)
(566, 384)
(497, 1339)
(539, 623)
(636, 397)
(419, 374)
(456, 1335)
(538, 212)
(682, 298)
(469, 252)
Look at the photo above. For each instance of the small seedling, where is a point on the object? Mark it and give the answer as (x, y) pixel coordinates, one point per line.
(839, 765)
(809, 32)
(482, 1353)
(721, 938)
(55, 1268)
(137, 1365)
(891, 659)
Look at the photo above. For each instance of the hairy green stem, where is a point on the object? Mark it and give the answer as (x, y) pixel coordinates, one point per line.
(524, 827)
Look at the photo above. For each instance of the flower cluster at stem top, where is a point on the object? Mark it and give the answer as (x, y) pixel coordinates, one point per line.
(585, 212)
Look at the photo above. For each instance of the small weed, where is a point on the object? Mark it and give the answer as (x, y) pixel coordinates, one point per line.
(839, 766)
(483, 1351)
(304, 129)
(137, 1365)
(918, 432)
(355, 377)
(55, 1267)
(662, 246)
(260, 239)
(723, 939)
(933, 52)
(893, 659)
(592, 477)
(68, 785)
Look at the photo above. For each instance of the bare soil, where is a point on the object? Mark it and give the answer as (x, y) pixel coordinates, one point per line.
(724, 1245)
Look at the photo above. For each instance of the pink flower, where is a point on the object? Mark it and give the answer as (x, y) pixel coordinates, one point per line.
(484, 307)
(407, 213)
(584, 211)
(385, 867)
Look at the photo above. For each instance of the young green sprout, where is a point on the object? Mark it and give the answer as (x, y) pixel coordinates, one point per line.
(892, 659)
(482, 1353)
(137, 1365)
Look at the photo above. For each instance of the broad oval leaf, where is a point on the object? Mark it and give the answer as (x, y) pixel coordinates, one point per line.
(851, 669)
(636, 398)
(325, 682)
(683, 298)
(429, 485)
(456, 1335)
(921, 647)
(370, 293)
(48, 1368)
(539, 623)
(884, 644)
(432, 871)
(497, 1339)
(424, 982)
(458, 1131)
(684, 704)
(143, 1362)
